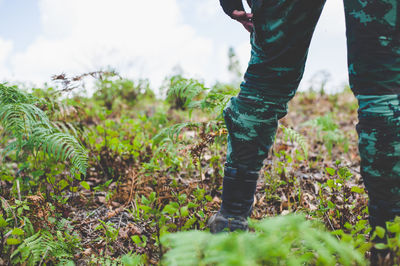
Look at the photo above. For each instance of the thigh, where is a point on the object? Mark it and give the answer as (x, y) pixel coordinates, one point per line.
(280, 40)
(373, 38)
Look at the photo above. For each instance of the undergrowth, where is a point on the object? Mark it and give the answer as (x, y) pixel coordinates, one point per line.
(123, 177)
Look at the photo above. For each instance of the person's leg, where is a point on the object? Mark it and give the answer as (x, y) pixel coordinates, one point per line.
(373, 37)
(283, 31)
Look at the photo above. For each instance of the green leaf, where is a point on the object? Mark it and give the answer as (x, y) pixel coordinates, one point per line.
(182, 197)
(78, 176)
(331, 205)
(3, 222)
(380, 246)
(189, 223)
(13, 241)
(145, 200)
(330, 183)
(380, 232)
(358, 190)
(136, 239)
(330, 171)
(37, 173)
(338, 232)
(145, 208)
(393, 227)
(192, 205)
(100, 129)
(106, 184)
(169, 209)
(152, 196)
(17, 232)
(85, 185)
(62, 184)
(51, 179)
(8, 178)
(184, 211)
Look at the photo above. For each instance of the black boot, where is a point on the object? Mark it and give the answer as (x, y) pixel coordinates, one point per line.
(224, 223)
(239, 187)
(380, 212)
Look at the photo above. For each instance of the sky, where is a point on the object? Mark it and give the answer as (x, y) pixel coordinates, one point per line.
(145, 39)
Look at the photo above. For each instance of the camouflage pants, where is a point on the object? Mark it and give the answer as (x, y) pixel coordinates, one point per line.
(280, 42)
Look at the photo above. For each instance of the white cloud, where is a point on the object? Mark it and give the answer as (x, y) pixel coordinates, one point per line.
(141, 38)
(147, 39)
(206, 8)
(6, 48)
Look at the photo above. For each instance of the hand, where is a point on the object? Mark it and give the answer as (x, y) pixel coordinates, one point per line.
(244, 18)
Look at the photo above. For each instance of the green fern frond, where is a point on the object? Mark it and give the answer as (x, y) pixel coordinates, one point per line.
(172, 133)
(10, 95)
(183, 91)
(12, 146)
(216, 99)
(18, 117)
(65, 127)
(21, 119)
(41, 246)
(294, 136)
(30, 250)
(61, 145)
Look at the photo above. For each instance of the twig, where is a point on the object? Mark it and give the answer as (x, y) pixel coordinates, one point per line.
(19, 191)
(6, 205)
(131, 192)
(71, 83)
(44, 256)
(119, 223)
(329, 220)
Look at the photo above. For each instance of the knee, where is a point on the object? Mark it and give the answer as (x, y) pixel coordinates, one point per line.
(379, 116)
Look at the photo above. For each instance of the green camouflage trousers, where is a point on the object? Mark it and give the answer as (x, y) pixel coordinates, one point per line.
(280, 42)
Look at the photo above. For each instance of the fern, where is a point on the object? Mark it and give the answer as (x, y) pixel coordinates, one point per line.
(171, 134)
(133, 259)
(294, 136)
(216, 99)
(61, 145)
(41, 247)
(182, 91)
(22, 120)
(9, 95)
(65, 127)
(284, 240)
(19, 117)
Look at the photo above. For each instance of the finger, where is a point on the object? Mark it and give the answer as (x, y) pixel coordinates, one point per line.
(236, 14)
(247, 23)
(248, 26)
(249, 16)
(242, 16)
